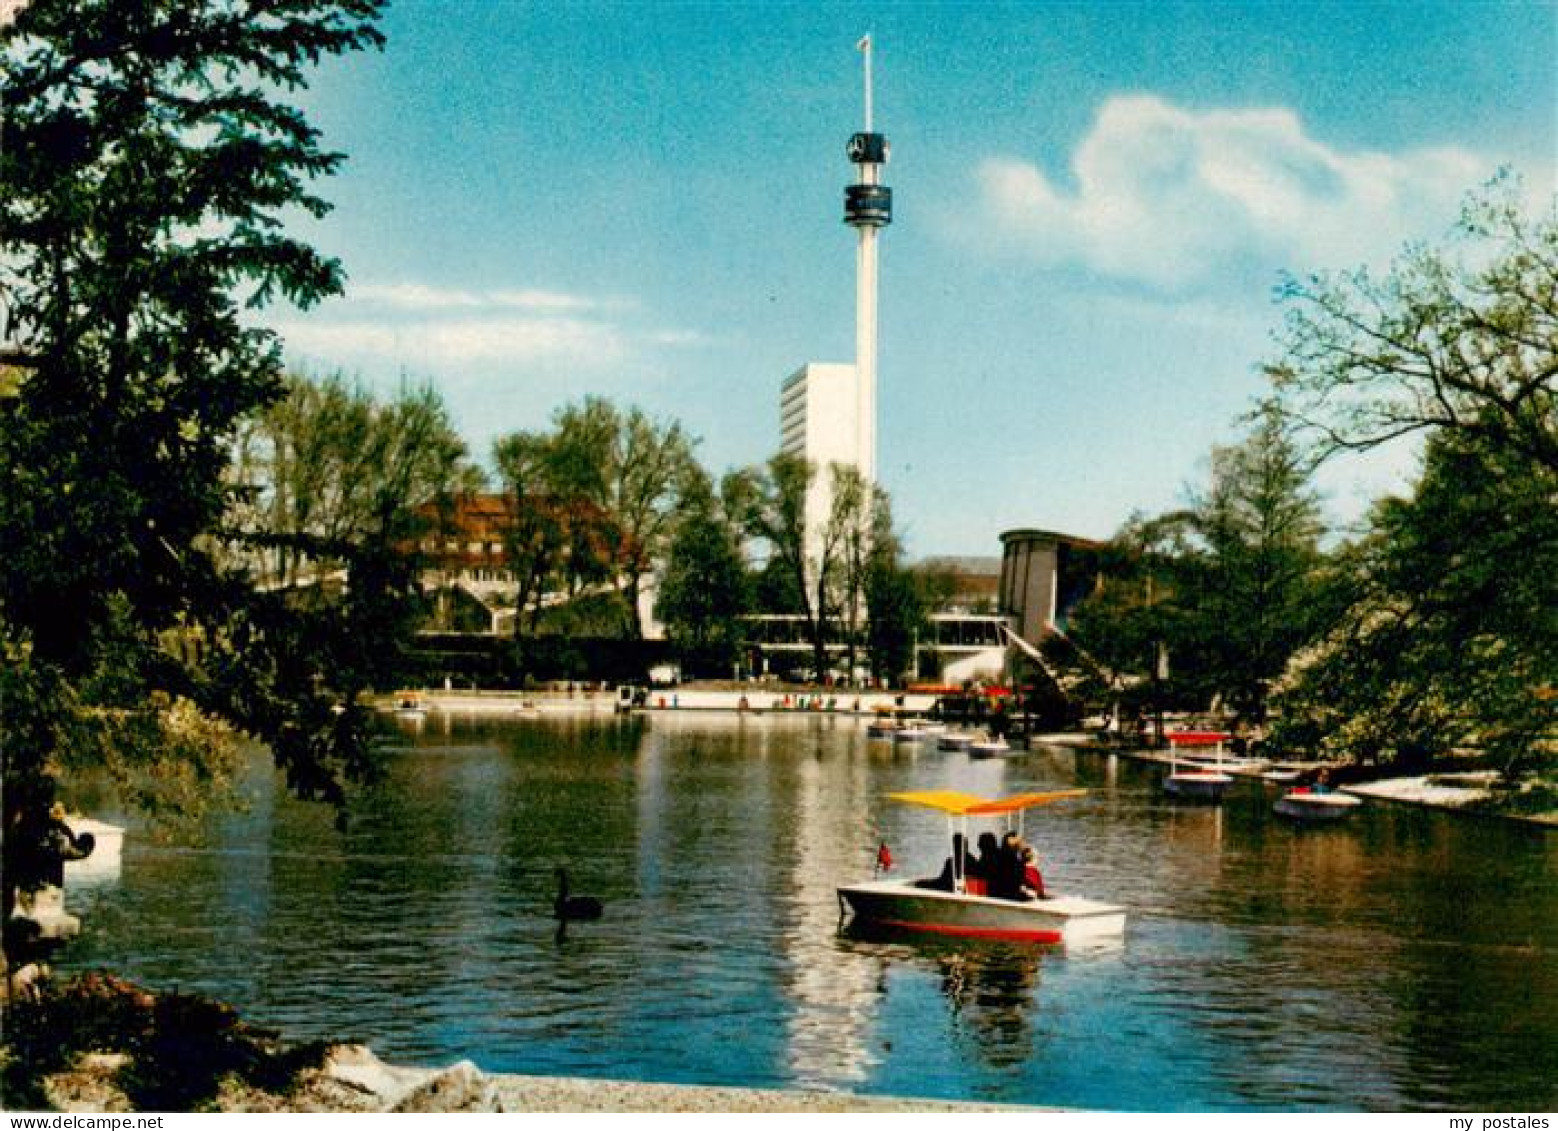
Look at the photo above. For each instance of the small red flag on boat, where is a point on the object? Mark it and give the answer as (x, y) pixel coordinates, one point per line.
(884, 858)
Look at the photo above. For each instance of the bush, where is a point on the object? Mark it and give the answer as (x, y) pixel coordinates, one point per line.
(180, 1047)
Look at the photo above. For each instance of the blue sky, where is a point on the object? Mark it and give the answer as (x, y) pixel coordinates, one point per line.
(1093, 202)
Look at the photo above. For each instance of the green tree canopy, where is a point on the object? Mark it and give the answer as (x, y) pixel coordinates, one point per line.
(1449, 636)
(705, 589)
(593, 504)
(1458, 336)
(146, 168)
(1256, 567)
(1215, 598)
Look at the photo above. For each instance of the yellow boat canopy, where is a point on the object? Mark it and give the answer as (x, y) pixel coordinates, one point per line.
(952, 802)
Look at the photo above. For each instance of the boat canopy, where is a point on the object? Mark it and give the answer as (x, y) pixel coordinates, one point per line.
(955, 803)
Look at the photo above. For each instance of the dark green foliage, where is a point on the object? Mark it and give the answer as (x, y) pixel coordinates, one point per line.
(1249, 586)
(1448, 636)
(146, 169)
(897, 604)
(593, 504)
(705, 590)
(1449, 640)
(1225, 592)
(180, 1046)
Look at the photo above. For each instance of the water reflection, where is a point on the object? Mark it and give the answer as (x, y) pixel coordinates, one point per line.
(1402, 960)
(991, 990)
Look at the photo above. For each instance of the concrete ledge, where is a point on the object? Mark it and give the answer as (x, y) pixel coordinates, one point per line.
(377, 1086)
(564, 1094)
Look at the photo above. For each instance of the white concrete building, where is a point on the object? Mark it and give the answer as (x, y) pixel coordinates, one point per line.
(819, 407)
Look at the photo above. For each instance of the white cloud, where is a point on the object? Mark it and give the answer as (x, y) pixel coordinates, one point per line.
(1173, 197)
(409, 325)
(420, 297)
(458, 341)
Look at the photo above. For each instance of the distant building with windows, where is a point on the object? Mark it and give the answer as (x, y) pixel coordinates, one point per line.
(465, 571)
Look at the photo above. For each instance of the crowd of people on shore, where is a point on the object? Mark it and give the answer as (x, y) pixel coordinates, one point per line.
(1007, 868)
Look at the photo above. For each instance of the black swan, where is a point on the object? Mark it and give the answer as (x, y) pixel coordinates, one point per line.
(574, 907)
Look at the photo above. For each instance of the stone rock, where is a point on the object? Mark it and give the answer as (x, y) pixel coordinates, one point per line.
(461, 1087)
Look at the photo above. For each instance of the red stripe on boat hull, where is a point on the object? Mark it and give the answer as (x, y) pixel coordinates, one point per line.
(1004, 934)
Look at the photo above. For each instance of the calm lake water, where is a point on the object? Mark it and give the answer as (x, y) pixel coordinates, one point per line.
(1405, 960)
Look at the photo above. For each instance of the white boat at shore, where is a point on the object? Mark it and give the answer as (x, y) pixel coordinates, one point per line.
(409, 707)
(908, 734)
(995, 747)
(1281, 775)
(1198, 782)
(964, 911)
(1305, 804)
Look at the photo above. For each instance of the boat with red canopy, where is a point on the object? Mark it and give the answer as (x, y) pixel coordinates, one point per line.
(963, 908)
(1198, 781)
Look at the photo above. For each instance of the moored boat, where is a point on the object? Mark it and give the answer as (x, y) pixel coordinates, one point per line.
(966, 911)
(1281, 775)
(1199, 782)
(994, 747)
(954, 741)
(409, 707)
(1304, 804)
(1205, 785)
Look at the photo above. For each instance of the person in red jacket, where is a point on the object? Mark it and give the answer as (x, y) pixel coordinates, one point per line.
(1032, 881)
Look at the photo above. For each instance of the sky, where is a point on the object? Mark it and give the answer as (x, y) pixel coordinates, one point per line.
(1093, 205)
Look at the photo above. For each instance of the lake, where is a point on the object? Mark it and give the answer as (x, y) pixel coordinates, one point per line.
(1402, 960)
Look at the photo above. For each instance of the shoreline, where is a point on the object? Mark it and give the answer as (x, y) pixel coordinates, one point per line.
(760, 699)
(353, 1080)
(1432, 791)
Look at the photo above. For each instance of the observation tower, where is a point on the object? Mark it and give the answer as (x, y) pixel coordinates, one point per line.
(868, 207)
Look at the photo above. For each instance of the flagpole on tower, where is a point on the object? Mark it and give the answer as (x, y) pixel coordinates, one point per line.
(864, 46)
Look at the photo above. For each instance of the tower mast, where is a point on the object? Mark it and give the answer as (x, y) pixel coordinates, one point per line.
(868, 205)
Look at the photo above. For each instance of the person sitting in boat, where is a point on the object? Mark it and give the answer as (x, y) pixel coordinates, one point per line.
(1032, 881)
(1322, 781)
(989, 854)
(1006, 880)
(947, 881)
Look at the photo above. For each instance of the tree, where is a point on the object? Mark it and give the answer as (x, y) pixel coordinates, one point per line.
(335, 484)
(632, 469)
(896, 598)
(1226, 588)
(1254, 592)
(704, 591)
(1134, 620)
(1448, 639)
(147, 166)
(777, 514)
(329, 473)
(1460, 337)
(855, 522)
(594, 503)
